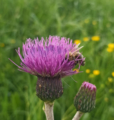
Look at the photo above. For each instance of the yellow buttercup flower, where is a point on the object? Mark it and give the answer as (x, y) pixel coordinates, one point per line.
(110, 79)
(94, 22)
(86, 39)
(102, 85)
(96, 72)
(111, 90)
(91, 76)
(111, 45)
(77, 70)
(87, 70)
(2, 44)
(95, 38)
(77, 41)
(113, 74)
(109, 49)
(86, 21)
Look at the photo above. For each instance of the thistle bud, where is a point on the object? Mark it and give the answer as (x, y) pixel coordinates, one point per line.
(84, 100)
(48, 89)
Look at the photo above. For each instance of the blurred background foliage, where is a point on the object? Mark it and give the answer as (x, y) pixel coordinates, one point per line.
(89, 22)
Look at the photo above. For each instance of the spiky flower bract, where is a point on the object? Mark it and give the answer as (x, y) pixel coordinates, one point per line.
(50, 60)
(84, 100)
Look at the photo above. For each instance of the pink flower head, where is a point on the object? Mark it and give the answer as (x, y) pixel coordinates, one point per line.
(50, 57)
(89, 86)
(50, 60)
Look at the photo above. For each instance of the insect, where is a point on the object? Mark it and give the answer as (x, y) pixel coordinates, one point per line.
(78, 57)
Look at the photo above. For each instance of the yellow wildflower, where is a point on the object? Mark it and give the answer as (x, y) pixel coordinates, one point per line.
(85, 39)
(94, 22)
(102, 86)
(110, 79)
(109, 49)
(77, 70)
(12, 41)
(77, 41)
(95, 38)
(111, 45)
(91, 76)
(96, 72)
(87, 70)
(113, 74)
(106, 99)
(86, 21)
(2, 44)
(111, 90)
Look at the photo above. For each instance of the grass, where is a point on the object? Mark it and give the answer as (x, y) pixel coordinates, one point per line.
(75, 19)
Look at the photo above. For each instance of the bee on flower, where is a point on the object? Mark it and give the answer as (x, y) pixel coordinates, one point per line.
(50, 60)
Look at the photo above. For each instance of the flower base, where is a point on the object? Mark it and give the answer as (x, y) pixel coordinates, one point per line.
(49, 88)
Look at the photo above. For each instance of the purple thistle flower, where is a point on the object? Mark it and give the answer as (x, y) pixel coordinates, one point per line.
(49, 59)
(84, 100)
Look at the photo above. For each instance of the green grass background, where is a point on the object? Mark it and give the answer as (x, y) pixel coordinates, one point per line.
(22, 19)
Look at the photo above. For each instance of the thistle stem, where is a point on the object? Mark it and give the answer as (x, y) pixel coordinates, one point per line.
(77, 116)
(48, 109)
